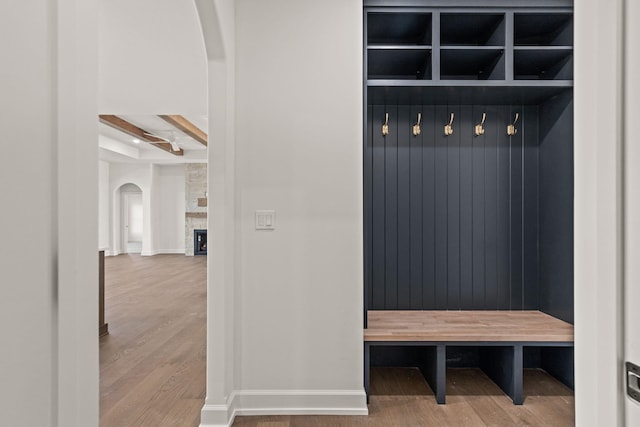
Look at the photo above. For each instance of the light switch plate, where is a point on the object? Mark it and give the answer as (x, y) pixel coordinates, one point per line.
(265, 220)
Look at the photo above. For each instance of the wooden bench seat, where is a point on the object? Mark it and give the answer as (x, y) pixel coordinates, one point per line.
(501, 334)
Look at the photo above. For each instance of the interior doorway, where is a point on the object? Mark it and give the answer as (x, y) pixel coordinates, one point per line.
(132, 218)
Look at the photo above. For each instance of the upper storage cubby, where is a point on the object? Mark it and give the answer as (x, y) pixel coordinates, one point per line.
(454, 49)
(399, 64)
(543, 64)
(472, 64)
(543, 29)
(477, 29)
(399, 29)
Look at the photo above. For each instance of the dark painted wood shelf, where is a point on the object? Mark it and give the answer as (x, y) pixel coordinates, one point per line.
(465, 92)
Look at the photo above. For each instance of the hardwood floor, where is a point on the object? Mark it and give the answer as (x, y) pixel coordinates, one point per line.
(401, 397)
(152, 365)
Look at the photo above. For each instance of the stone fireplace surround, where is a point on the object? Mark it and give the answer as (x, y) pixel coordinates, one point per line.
(195, 213)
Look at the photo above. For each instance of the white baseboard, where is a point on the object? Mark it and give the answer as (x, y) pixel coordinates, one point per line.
(111, 253)
(216, 416)
(285, 402)
(162, 251)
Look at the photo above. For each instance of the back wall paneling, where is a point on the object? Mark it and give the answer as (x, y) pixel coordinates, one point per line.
(452, 221)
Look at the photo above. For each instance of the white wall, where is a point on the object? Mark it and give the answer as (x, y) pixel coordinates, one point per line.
(151, 58)
(298, 150)
(598, 234)
(632, 198)
(163, 205)
(48, 219)
(170, 237)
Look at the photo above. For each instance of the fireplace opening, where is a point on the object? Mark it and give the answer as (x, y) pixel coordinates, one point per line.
(199, 242)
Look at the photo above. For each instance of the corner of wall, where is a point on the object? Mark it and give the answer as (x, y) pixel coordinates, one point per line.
(218, 415)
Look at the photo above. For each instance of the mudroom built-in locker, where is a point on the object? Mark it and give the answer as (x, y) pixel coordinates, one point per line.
(468, 197)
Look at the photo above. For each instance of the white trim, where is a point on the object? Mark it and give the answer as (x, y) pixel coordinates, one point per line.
(300, 402)
(167, 251)
(149, 253)
(285, 402)
(217, 416)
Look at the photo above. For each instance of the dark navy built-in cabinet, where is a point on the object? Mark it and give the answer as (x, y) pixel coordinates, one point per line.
(469, 221)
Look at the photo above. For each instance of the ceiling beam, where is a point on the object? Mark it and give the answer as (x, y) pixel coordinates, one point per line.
(133, 130)
(187, 127)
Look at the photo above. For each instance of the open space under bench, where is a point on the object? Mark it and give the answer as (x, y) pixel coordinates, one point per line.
(500, 339)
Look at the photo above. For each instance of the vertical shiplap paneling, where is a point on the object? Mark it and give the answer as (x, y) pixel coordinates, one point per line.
(478, 208)
(530, 219)
(441, 209)
(491, 216)
(556, 207)
(499, 117)
(404, 207)
(367, 168)
(453, 220)
(431, 134)
(516, 210)
(391, 211)
(467, 140)
(378, 260)
(416, 213)
(453, 209)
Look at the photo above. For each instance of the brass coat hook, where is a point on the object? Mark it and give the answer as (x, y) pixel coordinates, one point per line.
(511, 129)
(416, 127)
(480, 126)
(448, 128)
(385, 125)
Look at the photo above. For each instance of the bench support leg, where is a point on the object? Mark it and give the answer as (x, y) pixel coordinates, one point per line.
(434, 369)
(504, 366)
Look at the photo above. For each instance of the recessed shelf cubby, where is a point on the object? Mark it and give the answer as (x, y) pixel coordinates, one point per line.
(478, 29)
(472, 64)
(543, 29)
(543, 64)
(399, 29)
(401, 64)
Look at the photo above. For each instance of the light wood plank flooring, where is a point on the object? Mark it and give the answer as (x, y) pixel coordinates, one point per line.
(152, 365)
(401, 397)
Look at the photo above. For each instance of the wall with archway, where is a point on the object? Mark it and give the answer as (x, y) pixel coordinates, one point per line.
(163, 206)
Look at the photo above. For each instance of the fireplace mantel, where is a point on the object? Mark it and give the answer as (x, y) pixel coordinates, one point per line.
(195, 215)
